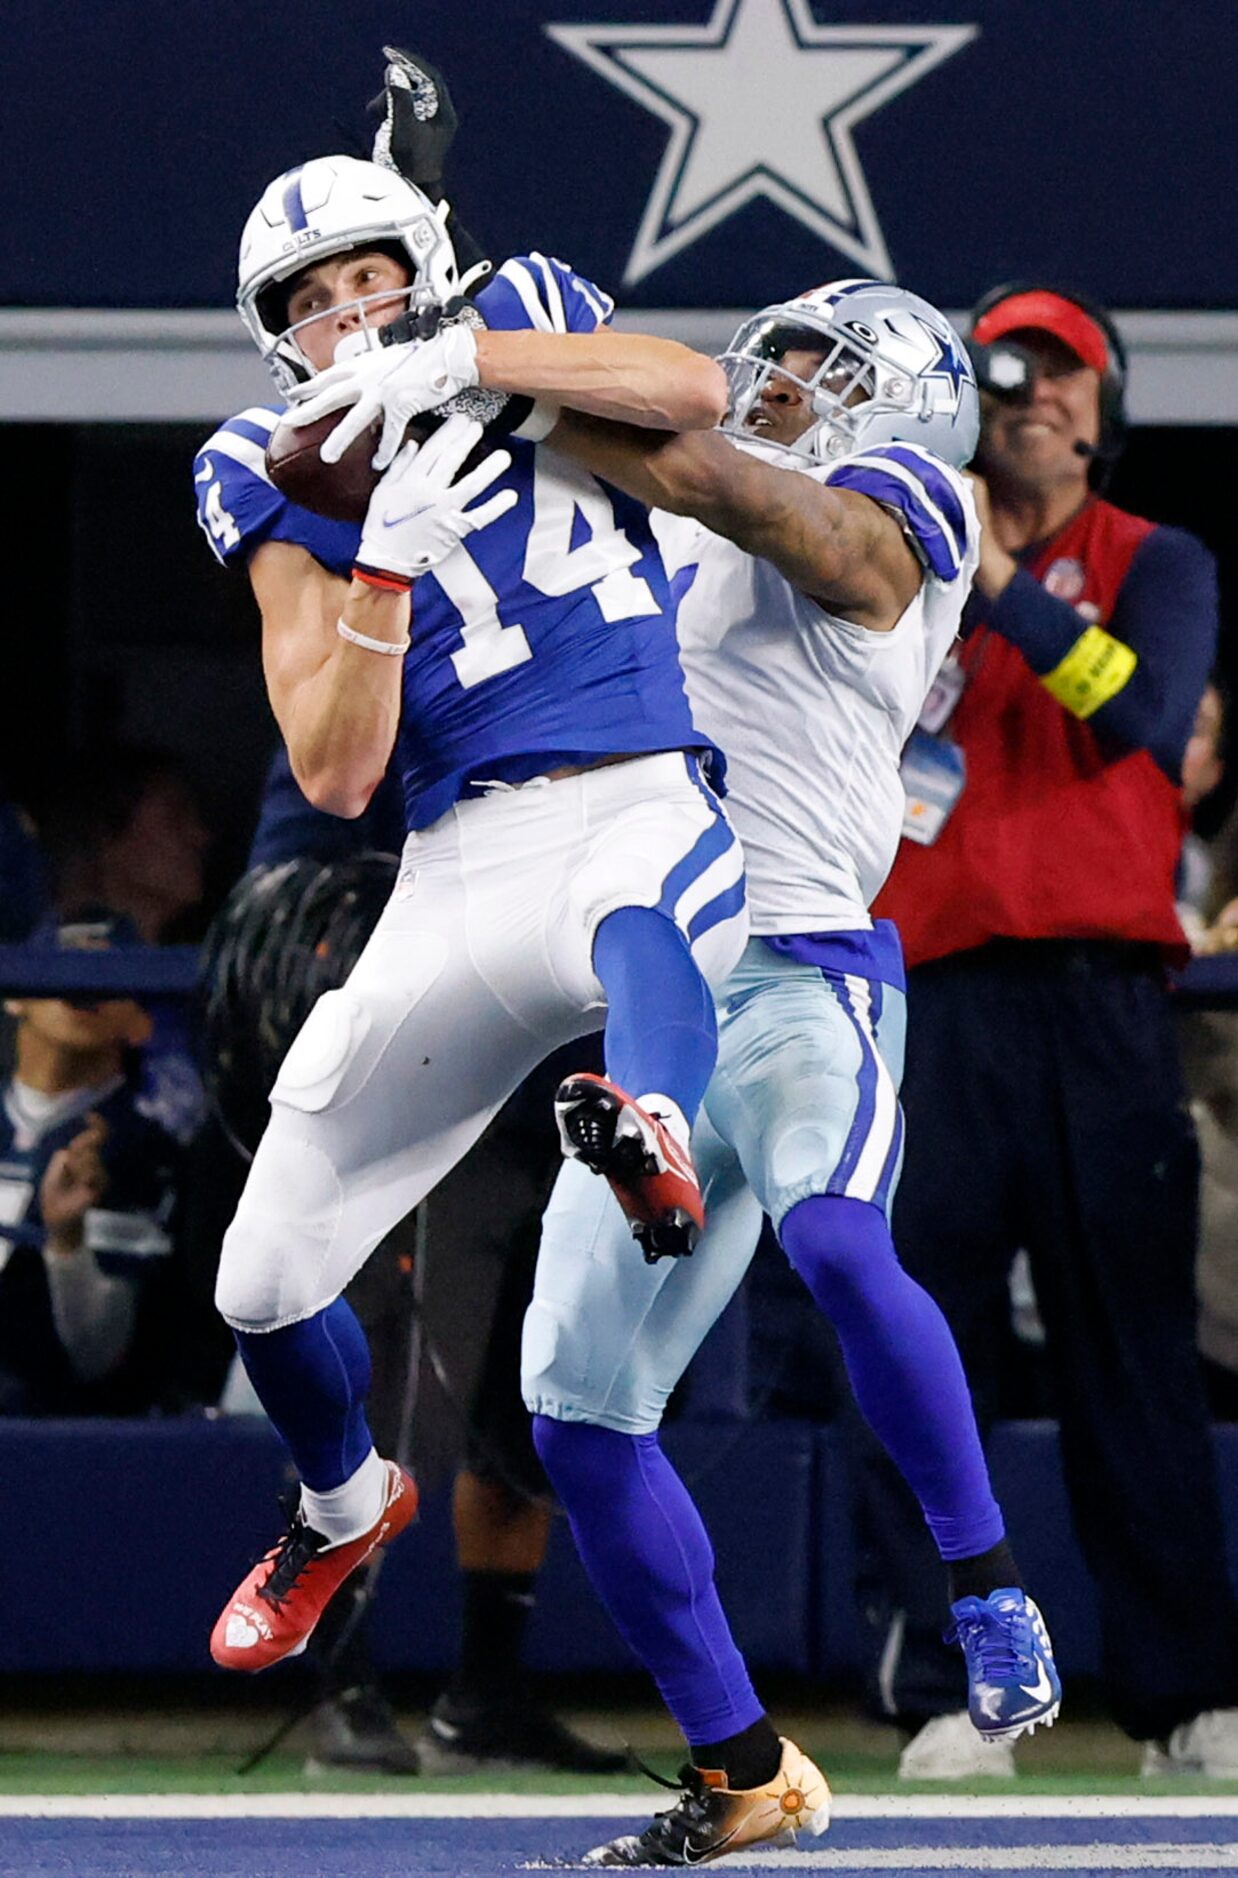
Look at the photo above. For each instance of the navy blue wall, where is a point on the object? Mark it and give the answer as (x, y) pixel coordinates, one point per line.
(1094, 142)
(142, 1529)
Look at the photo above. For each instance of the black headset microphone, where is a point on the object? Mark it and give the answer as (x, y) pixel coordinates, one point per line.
(1005, 370)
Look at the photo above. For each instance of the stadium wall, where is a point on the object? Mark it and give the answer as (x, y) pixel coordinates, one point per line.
(154, 1507)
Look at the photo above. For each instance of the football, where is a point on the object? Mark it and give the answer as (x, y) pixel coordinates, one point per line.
(340, 490)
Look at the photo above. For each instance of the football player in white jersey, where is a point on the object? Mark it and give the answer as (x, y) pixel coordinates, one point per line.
(826, 560)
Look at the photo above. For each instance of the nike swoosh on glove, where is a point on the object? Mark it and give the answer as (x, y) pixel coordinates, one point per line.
(419, 514)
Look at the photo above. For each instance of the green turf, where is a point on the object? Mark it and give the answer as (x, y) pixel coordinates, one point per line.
(88, 1742)
(51, 1773)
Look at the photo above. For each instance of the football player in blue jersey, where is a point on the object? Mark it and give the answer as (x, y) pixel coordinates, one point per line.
(824, 566)
(567, 859)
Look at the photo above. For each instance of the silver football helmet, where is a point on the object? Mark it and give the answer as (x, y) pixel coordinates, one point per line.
(889, 369)
(323, 208)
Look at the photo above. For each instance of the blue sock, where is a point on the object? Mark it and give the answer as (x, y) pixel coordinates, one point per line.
(312, 1379)
(661, 1031)
(648, 1556)
(903, 1364)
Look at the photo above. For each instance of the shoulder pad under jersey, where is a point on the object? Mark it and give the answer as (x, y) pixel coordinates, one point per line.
(930, 497)
(535, 290)
(239, 506)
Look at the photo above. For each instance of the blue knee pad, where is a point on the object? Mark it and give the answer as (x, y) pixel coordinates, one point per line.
(844, 1252)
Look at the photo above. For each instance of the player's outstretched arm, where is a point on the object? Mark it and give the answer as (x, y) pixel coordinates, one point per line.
(632, 378)
(838, 547)
(337, 704)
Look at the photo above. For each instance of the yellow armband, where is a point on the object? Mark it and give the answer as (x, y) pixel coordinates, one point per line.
(1093, 671)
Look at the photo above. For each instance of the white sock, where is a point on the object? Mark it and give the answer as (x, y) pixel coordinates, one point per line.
(346, 1512)
(669, 1113)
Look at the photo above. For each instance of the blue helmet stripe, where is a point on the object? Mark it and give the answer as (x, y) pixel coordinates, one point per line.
(294, 207)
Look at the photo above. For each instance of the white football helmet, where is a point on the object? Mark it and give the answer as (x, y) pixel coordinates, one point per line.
(892, 370)
(326, 207)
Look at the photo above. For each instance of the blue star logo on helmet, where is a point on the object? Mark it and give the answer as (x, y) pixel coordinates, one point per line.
(951, 363)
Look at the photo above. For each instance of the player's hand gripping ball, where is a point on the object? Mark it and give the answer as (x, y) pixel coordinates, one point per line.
(341, 491)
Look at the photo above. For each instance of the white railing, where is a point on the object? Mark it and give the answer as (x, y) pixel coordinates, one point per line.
(87, 365)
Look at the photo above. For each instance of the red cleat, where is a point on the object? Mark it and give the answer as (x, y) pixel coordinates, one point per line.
(651, 1176)
(274, 1609)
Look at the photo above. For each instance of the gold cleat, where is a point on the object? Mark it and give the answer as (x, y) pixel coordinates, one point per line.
(709, 1820)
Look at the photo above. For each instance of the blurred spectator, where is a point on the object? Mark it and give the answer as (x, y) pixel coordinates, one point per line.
(88, 1187)
(1209, 1041)
(1203, 770)
(1044, 1097)
(1210, 1060)
(125, 830)
(24, 885)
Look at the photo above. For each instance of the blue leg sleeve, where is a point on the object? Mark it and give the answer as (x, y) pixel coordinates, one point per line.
(312, 1379)
(661, 1032)
(648, 1556)
(903, 1364)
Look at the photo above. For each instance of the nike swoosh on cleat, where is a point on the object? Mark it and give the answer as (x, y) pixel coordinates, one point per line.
(1042, 1686)
(696, 1855)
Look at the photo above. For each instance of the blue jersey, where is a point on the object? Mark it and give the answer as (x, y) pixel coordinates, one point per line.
(548, 639)
(129, 1233)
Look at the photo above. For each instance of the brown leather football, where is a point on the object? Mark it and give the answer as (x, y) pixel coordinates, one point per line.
(340, 490)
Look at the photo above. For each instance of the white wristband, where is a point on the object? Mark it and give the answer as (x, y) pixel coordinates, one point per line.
(393, 651)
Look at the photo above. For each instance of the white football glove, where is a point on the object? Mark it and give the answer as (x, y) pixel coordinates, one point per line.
(394, 383)
(418, 514)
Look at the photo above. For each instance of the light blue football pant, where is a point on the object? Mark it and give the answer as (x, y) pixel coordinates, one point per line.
(803, 1101)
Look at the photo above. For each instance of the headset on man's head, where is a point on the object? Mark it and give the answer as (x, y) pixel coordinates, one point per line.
(1113, 419)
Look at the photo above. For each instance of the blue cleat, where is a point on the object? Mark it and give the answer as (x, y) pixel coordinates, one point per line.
(1012, 1681)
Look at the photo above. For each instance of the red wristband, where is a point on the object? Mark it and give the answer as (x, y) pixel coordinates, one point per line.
(381, 577)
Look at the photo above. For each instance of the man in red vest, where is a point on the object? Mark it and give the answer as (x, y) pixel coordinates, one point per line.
(1034, 890)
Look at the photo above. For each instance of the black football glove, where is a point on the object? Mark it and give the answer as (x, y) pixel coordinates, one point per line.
(418, 120)
(418, 123)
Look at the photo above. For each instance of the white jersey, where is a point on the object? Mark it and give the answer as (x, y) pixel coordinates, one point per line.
(813, 711)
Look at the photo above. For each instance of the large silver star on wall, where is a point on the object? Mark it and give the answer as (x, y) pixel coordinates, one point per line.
(761, 102)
